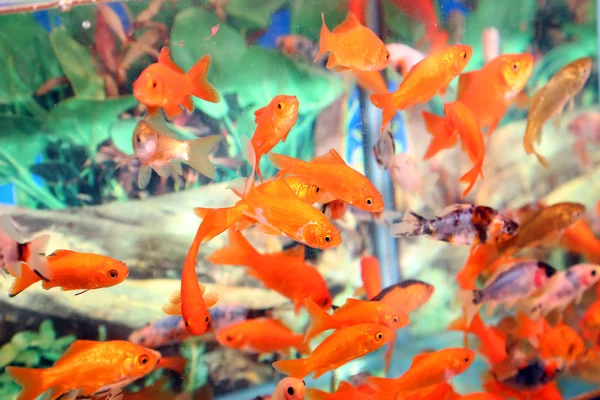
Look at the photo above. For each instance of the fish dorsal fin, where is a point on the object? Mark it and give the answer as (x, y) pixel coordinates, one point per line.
(332, 157)
(159, 124)
(351, 303)
(351, 22)
(454, 207)
(420, 357)
(464, 81)
(296, 252)
(56, 254)
(79, 345)
(277, 188)
(165, 59)
(258, 113)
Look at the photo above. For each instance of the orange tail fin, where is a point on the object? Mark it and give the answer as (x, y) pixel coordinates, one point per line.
(238, 252)
(294, 368)
(198, 75)
(176, 364)
(217, 220)
(28, 278)
(442, 139)
(471, 177)
(319, 319)
(324, 39)
(302, 346)
(31, 380)
(385, 101)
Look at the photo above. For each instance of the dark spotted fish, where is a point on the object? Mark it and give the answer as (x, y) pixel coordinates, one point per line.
(460, 224)
(384, 150)
(535, 374)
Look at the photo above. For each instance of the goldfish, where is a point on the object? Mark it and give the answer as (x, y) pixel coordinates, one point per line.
(353, 312)
(307, 192)
(330, 173)
(94, 368)
(406, 296)
(579, 238)
(545, 226)
(403, 58)
(565, 287)
(480, 257)
(493, 343)
(159, 149)
(590, 320)
(262, 335)
(536, 373)
(289, 389)
(460, 122)
(340, 347)
(165, 85)
(562, 342)
(16, 250)
(273, 124)
(297, 47)
(385, 149)
(427, 78)
(165, 331)
(551, 100)
(426, 369)
(371, 81)
(297, 281)
(71, 270)
(175, 364)
(514, 282)
(460, 224)
(345, 391)
(489, 91)
(370, 273)
(352, 46)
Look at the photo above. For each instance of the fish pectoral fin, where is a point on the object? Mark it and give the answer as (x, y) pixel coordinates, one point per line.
(158, 122)
(144, 176)
(340, 68)
(163, 170)
(172, 309)
(171, 111)
(258, 113)
(175, 167)
(210, 299)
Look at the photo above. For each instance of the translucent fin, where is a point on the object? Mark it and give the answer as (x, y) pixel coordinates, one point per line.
(198, 152)
(144, 176)
(210, 299)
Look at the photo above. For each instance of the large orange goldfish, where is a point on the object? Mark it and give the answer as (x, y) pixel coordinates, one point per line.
(273, 124)
(332, 174)
(15, 250)
(340, 347)
(158, 148)
(352, 46)
(262, 335)
(426, 79)
(490, 91)
(71, 270)
(165, 85)
(353, 312)
(297, 281)
(93, 368)
(459, 122)
(370, 273)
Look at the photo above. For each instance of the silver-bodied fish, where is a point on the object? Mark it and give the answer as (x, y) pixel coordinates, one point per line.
(15, 249)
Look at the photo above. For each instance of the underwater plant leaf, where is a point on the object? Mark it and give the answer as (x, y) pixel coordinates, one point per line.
(196, 371)
(268, 73)
(8, 353)
(26, 43)
(22, 340)
(252, 14)
(30, 358)
(16, 131)
(121, 133)
(400, 30)
(78, 65)
(306, 16)
(213, 110)
(93, 120)
(191, 39)
(54, 171)
(47, 335)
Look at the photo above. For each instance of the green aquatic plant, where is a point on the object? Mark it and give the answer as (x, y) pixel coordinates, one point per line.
(196, 370)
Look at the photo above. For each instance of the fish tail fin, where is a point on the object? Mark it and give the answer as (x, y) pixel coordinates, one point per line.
(412, 224)
(441, 138)
(471, 303)
(323, 39)
(319, 319)
(33, 381)
(294, 368)
(198, 76)
(198, 151)
(176, 364)
(217, 220)
(529, 149)
(385, 101)
(8, 228)
(27, 278)
(237, 252)
(471, 177)
(301, 345)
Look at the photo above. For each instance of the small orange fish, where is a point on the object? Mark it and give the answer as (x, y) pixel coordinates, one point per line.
(273, 124)
(159, 149)
(297, 281)
(345, 391)
(15, 250)
(370, 273)
(460, 122)
(92, 367)
(591, 318)
(489, 91)
(561, 341)
(352, 46)
(262, 335)
(426, 79)
(330, 173)
(165, 85)
(353, 312)
(71, 270)
(340, 347)
(289, 389)
(493, 343)
(579, 239)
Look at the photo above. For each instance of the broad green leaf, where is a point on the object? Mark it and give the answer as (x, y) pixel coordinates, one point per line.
(306, 16)
(121, 133)
(31, 358)
(47, 335)
(252, 14)
(61, 344)
(8, 353)
(21, 141)
(196, 371)
(191, 40)
(23, 339)
(86, 122)
(78, 65)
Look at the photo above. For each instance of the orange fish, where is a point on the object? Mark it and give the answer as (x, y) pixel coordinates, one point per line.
(353, 312)
(273, 124)
(92, 367)
(458, 122)
(427, 78)
(493, 343)
(165, 85)
(579, 239)
(262, 335)
(370, 273)
(426, 369)
(371, 81)
(71, 270)
(297, 281)
(175, 364)
(330, 173)
(489, 91)
(591, 318)
(340, 347)
(15, 249)
(345, 391)
(561, 341)
(479, 257)
(352, 46)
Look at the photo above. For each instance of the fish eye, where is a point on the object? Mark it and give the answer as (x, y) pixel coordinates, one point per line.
(379, 335)
(143, 360)
(327, 238)
(466, 359)
(207, 318)
(593, 272)
(290, 390)
(186, 324)
(112, 274)
(229, 338)
(325, 302)
(317, 189)
(304, 382)
(138, 138)
(395, 320)
(463, 54)
(369, 200)
(387, 56)
(280, 106)
(515, 67)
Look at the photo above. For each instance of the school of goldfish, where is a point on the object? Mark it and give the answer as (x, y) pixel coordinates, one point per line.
(548, 335)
